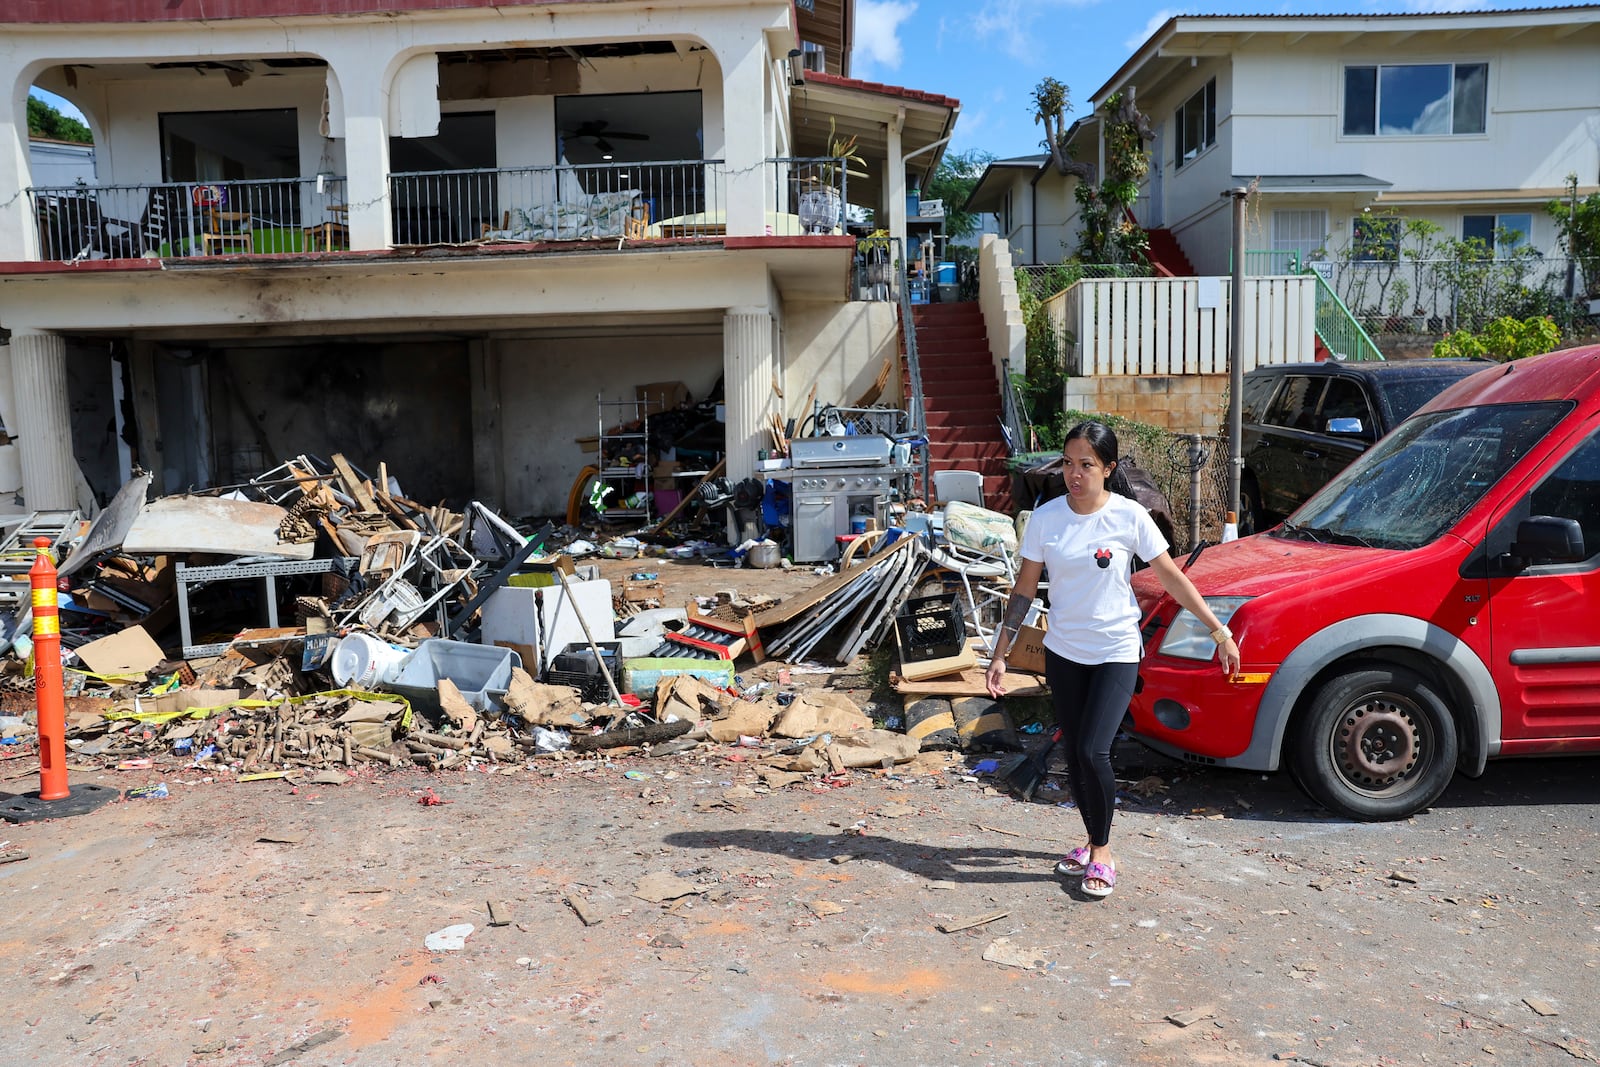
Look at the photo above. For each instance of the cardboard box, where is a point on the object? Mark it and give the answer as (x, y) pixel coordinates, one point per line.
(661, 475)
(1027, 651)
(661, 396)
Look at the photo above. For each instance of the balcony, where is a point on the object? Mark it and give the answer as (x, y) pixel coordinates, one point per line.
(673, 200)
(181, 220)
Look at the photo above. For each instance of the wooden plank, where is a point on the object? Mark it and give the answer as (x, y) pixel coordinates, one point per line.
(967, 923)
(1158, 330)
(353, 485)
(691, 495)
(971, 684)
(822, 590)
(1102, 329)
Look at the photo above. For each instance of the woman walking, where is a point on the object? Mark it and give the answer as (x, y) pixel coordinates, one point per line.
(1087, 541)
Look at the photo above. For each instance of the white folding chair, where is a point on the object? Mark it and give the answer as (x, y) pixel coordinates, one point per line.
(979, 548)
(965, 486)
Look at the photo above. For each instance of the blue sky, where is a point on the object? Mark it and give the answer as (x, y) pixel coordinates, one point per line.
(989, 54)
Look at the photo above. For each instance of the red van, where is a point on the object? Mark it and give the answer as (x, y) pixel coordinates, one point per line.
(1434, 606)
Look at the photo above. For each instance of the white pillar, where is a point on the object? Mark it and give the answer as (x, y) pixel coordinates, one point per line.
(18, 229)
(894, 184)
(44, 431)
(747, 369)
(361, 91)
(743, 58)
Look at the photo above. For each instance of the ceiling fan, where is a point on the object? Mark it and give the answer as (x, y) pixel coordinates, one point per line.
(598, 131)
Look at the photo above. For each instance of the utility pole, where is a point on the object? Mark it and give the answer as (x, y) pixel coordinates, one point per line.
(1235, 371)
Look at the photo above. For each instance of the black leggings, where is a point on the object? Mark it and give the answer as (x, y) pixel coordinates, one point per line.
(1090, 703)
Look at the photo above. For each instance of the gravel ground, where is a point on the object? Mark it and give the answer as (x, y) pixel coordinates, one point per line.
(259, 923)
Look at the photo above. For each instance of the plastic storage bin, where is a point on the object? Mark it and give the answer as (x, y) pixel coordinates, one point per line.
(481, 672)
(931, 627)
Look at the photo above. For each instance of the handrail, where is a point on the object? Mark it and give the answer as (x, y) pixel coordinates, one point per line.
(1339, 330)
(919, 411)
(1012, 411)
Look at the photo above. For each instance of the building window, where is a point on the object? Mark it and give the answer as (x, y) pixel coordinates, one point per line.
(1197, 123)
(1376, 237)
(1302, 232)
(1005, 215)
(1500, 234)
(1416, 99)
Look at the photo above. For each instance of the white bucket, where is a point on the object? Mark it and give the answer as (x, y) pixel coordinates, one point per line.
(363, 661)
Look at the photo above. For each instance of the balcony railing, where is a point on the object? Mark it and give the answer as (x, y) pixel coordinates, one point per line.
(676, 198)
(671, 199)
(174, 220)
(811, 194)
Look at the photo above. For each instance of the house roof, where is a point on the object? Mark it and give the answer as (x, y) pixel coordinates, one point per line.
(864, 110)
(1183, 38)
(996, 178)
(936, 99)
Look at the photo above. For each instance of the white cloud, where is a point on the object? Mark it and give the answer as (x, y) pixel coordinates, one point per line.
(1156, 22)
(878, 32)
(1014, 23)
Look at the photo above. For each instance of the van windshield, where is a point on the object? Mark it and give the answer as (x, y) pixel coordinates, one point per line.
(1414, 484)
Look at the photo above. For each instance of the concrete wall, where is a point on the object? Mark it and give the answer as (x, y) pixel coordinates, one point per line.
(1190, 404)
(403, 404)
(841, 347)
(548, 391)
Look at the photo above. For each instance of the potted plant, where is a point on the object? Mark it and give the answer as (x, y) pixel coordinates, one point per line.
(821, 207)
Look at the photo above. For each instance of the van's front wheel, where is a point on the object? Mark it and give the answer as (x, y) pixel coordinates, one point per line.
(1377, 744)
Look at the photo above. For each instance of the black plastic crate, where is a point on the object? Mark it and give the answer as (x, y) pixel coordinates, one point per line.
(931, 627)
(577, 667)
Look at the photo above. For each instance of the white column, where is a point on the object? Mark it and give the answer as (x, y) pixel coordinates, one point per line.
(44, 430)
(743, 59)
(747, 368)
(894, 184)
(18, 229)
(360, 92)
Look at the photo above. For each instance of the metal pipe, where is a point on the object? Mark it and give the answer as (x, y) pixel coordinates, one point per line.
(1235, 369)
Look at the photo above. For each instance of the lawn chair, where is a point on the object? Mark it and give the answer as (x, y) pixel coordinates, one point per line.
(978, 548)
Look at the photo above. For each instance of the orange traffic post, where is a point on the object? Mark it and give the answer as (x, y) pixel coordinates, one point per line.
(47, 686)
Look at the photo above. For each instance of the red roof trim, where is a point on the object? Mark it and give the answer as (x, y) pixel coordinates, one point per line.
(819, 78)
(818, 241)
(113, 11)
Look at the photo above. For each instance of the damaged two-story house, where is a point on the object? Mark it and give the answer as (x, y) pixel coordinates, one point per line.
(434, 233)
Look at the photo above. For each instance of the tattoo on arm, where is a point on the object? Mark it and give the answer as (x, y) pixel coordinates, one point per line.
(1016, 610)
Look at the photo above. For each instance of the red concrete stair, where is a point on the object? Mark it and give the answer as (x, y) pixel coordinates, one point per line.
(1167, 255)
(961, 397)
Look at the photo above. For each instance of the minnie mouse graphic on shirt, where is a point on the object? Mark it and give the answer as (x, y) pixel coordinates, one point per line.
(1102, 558)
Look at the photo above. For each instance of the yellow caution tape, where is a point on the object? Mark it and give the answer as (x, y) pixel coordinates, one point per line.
(159, 717)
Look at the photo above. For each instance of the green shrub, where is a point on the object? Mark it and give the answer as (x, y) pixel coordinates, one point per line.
(1503, 339)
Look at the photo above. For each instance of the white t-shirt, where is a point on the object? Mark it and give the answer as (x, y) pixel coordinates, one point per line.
(1094, 616)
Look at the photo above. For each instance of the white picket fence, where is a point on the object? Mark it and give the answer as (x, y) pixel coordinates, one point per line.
(1177, 326)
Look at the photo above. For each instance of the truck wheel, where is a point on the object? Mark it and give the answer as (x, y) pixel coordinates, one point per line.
(1377, 744)
(1252, 519)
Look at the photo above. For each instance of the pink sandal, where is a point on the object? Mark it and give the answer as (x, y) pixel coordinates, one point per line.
(1074, 863)
(1105, 874)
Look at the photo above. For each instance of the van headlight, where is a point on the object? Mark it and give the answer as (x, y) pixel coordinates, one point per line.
(1189, 638)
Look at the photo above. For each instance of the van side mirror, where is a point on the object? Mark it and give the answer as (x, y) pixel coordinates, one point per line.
(1549, 539)
(1349, 425)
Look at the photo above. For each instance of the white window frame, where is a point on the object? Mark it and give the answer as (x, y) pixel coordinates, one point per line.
(1377, 98)
(1500, 217)
(1299, 244)
(1206, 99)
